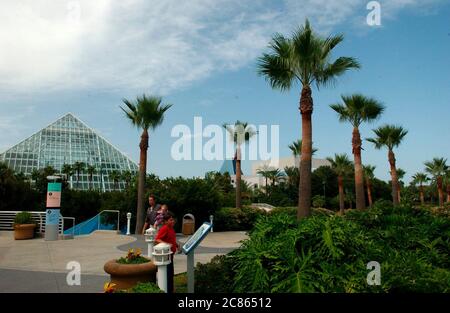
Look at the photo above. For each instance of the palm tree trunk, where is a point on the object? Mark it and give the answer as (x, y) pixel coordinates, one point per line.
(143, 145)
(341, 194)
(359, 176)
(448, 192)
(441, 192)
(394, 177)
(238, 177)
(304, 187)
(422, 198)
(369, 191)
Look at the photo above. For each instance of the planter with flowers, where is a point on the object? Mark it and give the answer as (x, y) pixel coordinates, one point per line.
(128, 271)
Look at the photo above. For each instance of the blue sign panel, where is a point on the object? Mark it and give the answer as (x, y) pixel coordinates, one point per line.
(196, 238)
(52, 217)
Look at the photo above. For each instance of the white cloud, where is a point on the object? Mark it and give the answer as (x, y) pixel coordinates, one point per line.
(156, 46)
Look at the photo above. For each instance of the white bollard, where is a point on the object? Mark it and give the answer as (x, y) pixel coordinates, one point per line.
(161, 258)
(149, 236)
(128, 223)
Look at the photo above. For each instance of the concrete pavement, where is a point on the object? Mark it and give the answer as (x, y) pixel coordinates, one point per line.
(40, 266)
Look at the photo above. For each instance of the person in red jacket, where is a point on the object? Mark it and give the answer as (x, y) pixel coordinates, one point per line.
(167, 234)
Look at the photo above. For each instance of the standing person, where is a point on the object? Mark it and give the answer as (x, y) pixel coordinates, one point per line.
(167, 234)
(159, 221)
(152, 212)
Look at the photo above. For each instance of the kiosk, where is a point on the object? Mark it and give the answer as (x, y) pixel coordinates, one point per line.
(189, 249)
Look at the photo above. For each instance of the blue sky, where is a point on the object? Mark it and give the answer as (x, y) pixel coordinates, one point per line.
(84, 58)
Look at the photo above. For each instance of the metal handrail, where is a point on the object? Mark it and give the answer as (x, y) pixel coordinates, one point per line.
(73, 225)
(114, 211)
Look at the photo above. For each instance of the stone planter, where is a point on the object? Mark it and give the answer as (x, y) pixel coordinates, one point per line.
(128, 275)
(24, 231)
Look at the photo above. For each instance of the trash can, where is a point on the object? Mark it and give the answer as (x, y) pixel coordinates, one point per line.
(188, 227)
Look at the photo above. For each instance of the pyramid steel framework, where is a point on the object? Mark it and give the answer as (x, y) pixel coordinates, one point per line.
(66, 141)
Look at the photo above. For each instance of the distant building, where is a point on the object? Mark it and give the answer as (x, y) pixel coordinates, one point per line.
(257, 180)
(66, 141)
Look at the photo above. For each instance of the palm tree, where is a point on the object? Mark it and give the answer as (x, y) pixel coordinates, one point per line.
(292, 174)
(115, 177)
(147, 112)
(264, 172)
(447, 184)
(275, 175)
(78, 167)
(437, 168)
(390, 136)
(420, 178)
(342, 166)
(369, 175)
(68, 171)
(239, 133)
(91, 170)
(400, 175)
(356, 110)
(306, 59)
(296, 148)
(127, 176)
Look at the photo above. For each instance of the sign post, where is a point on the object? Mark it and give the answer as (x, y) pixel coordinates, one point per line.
(189, 249)
(53, 209)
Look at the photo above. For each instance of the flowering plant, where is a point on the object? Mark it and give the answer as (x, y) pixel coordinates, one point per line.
(133, 257)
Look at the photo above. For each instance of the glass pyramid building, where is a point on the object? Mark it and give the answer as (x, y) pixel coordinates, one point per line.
(66, 141)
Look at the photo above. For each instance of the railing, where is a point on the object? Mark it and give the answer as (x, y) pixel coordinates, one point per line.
(90, 225)
(7, 220)
(113, 211)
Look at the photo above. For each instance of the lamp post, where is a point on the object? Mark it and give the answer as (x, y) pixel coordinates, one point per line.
(211, 218)
(161, 254)
(128, 222)
(150, 240)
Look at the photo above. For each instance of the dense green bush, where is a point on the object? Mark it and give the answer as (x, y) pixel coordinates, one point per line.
(233, 219)
(325, 253)
(215, 276)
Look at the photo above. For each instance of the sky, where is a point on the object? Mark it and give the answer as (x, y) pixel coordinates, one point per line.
(85, 57)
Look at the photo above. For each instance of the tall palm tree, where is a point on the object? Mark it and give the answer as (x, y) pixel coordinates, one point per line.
(305, 58)
(68, 171)
(420, 178)
(437, 168)
(342, 166)
(239, 133)
(146, 112)
(91, 170)
(390, 136)
(400, 175)
(355, 110)
(78, 167)
(369, 174)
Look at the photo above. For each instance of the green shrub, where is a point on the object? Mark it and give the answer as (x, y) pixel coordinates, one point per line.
(145, 288)
(217, 276)
(329, 253)
(318, 201)
(23, 218)
(233, 219)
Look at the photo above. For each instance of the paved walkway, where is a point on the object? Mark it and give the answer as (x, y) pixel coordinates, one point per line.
(40, 266)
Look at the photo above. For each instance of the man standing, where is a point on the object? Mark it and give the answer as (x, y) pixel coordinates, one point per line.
(152, 212)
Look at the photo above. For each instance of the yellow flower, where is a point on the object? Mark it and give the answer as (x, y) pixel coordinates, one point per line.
(108, 287)
(138, 252)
